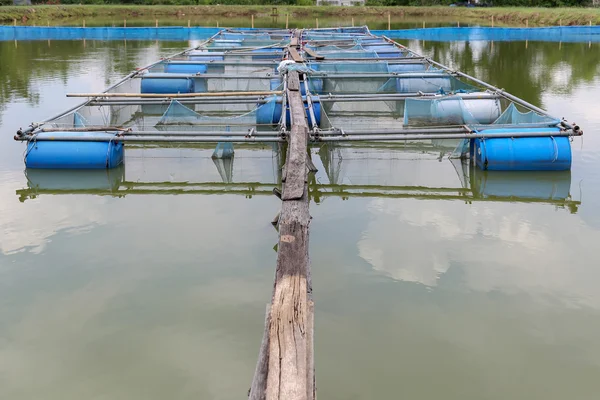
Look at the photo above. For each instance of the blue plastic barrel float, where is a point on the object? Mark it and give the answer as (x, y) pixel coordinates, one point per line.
(423, 82)
(523, 153)
(205, 56)
(175, 67)
(162, 84)
(270, 112)
(54, 150)
(457, 109)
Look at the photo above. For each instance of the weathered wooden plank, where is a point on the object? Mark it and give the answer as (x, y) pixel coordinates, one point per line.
(293, 84)
(294, 41)
(289, 345)
(313, 54)
(259, 383)
(295, 55)
(296, 172)
(289, 362)
(295, 166)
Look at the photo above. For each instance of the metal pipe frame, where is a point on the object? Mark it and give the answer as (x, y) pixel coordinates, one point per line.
(481, 135)
(275, 62)
(484, 84)
(156, 139)
(328, 98)
(407, 75)
(329, 132)
(195, 138)
(34, 126)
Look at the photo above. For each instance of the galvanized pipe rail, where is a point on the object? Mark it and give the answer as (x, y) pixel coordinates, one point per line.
(36, 125)
(415, 134)
(275, 62)
(261, 99)
(486, 85)
(316, 75)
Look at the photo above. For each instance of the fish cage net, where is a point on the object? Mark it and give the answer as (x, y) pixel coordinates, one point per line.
(264, 118)
(176, 116)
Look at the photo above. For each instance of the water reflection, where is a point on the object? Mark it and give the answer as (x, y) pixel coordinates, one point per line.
(526, 69)
(424, 270)
(346, 171)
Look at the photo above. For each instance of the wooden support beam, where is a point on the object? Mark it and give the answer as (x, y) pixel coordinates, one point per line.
(313, 54)
(295, 55)
(286, 356)
(296, 164)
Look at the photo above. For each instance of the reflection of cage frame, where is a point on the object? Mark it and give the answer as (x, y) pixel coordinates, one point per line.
(471, 184)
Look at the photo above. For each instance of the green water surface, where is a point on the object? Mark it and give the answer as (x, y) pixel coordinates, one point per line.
(430, 281)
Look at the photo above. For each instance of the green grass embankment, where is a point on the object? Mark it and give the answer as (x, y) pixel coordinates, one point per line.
(506, 15)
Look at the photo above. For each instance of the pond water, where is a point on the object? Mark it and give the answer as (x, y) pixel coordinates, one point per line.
(429, 281)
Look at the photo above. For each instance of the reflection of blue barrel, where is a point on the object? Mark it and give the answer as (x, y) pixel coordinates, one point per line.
(154, 83)
(74, 180)
(270, 112)
(542, 185)
(62, 154)
(523, 154)
(175, 67)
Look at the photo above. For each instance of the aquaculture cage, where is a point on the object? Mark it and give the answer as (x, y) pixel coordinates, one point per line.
(354, 86)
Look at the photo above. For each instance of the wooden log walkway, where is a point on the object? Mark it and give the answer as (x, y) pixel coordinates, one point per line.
(285, 367)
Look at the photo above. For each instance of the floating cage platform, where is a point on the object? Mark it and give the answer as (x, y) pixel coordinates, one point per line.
(356, 87)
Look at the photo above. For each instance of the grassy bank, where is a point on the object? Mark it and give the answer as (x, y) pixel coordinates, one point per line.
(507, 15)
